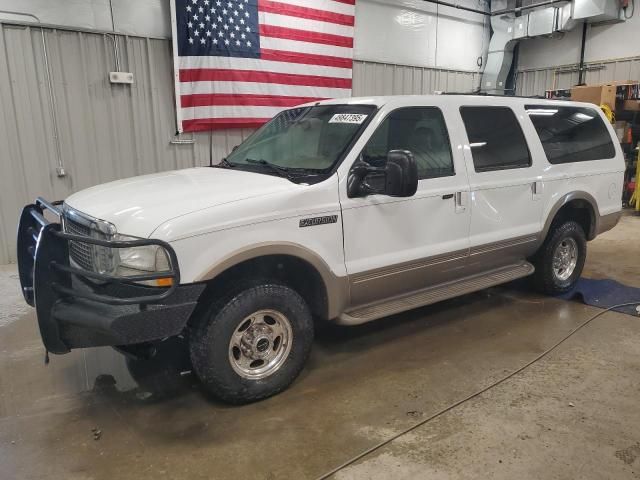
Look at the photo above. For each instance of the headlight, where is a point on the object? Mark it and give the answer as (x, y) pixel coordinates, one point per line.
(140, 260)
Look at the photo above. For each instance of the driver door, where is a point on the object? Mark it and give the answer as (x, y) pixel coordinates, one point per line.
(396, 245)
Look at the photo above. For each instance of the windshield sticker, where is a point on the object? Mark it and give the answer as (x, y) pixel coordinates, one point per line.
(356, 118)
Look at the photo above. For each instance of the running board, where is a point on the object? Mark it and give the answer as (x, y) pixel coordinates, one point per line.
(435, 294)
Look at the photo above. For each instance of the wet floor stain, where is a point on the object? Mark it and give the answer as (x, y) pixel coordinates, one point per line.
(359, 383)
(360, 386)
(630, 454)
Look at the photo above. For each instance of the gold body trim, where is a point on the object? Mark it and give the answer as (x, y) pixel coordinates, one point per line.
(360, 297)
(434, 294)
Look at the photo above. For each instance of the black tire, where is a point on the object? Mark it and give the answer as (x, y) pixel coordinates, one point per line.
(210, 337)
(545, 280)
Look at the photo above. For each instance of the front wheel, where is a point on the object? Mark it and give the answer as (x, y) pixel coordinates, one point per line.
(252, 344)
(560, 260)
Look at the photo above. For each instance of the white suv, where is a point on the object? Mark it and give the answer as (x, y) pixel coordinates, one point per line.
(343, 211)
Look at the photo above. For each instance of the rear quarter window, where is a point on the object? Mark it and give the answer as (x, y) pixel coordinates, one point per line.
(571, 134)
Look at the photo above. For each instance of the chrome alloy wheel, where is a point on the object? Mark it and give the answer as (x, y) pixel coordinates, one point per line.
(565, 259)
(260, 344)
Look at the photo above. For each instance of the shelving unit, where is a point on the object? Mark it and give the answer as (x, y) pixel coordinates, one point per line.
(559, 94)
(625, 91)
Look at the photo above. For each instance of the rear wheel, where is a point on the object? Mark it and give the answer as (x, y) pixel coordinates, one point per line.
(252, 344)
(560, 260)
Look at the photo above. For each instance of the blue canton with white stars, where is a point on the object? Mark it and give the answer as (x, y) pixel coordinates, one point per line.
(218, 27)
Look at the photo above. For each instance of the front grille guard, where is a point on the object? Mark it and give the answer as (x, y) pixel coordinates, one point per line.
(35, 230)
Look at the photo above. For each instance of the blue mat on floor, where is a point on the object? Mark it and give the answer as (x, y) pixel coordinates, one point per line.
(605, 294)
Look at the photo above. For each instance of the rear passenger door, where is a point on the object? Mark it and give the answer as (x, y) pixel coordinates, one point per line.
(506, 187)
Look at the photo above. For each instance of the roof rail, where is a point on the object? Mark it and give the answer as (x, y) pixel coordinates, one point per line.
(484, 94)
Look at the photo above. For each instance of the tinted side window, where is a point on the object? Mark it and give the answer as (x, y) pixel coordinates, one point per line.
(571, 134)
(422, 131)
(496, 139)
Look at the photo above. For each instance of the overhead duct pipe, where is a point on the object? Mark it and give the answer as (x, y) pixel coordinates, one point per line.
(497, 12)
(510, 24)
(509, 29)
(500, 54)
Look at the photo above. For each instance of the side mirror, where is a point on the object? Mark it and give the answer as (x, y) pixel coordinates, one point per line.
(402, 174)
(398, 178)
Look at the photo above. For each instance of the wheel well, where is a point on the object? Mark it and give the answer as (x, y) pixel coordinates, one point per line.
(292, 271)
(580, 211)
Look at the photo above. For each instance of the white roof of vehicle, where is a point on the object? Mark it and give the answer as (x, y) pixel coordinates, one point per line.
(451, 99)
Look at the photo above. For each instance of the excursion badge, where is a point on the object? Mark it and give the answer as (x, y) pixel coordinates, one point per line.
(315, 221)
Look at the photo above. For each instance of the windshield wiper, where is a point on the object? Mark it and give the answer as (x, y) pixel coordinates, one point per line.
(281, 171)
(224, 163)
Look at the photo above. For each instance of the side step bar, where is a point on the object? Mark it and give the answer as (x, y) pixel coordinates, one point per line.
(435, 294)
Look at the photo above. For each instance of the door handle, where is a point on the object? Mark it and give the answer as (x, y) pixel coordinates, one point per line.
(537, 189)
(461, 201)
(447, 196)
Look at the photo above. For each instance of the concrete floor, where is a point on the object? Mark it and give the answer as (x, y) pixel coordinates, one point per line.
(573, 415)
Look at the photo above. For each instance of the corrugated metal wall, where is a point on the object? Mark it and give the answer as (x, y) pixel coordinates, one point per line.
(110, 131)
(105, 131)
(371, 78)
(536, 81)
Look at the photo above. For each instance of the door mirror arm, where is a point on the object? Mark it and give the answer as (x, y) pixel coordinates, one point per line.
(357, 185)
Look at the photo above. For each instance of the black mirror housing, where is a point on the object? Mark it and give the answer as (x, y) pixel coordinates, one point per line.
(401, 174)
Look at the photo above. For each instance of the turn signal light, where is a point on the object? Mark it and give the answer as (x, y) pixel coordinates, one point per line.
(164, 282)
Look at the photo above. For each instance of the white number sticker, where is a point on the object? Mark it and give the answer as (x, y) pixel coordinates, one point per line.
(356, 118)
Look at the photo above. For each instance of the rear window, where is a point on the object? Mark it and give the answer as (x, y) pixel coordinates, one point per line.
(571, 134)
(495, 138)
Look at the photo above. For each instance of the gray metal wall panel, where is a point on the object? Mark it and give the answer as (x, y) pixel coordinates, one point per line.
(536, 81)
(371, 78)
(106, 131)
(115, 131)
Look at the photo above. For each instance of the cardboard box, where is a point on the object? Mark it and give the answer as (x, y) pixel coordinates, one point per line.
(597, 94)
(632, 105)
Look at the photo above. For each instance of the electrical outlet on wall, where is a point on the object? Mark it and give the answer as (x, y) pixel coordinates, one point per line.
(121, 77)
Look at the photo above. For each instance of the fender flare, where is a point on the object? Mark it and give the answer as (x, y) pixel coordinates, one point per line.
(337, 288)
(594, 212)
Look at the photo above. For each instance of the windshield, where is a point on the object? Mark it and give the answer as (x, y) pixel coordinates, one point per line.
(310, 139)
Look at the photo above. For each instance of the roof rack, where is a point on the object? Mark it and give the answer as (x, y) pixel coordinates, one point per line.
(484, 94)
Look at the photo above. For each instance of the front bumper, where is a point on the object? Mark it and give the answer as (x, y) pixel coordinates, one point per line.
(77, 308)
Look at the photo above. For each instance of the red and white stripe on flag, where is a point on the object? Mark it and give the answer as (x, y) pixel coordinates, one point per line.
(305, 53)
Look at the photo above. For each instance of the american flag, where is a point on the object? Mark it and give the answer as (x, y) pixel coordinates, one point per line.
(240, 62)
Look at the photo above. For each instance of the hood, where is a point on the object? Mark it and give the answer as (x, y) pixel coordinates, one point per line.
(139, 205)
